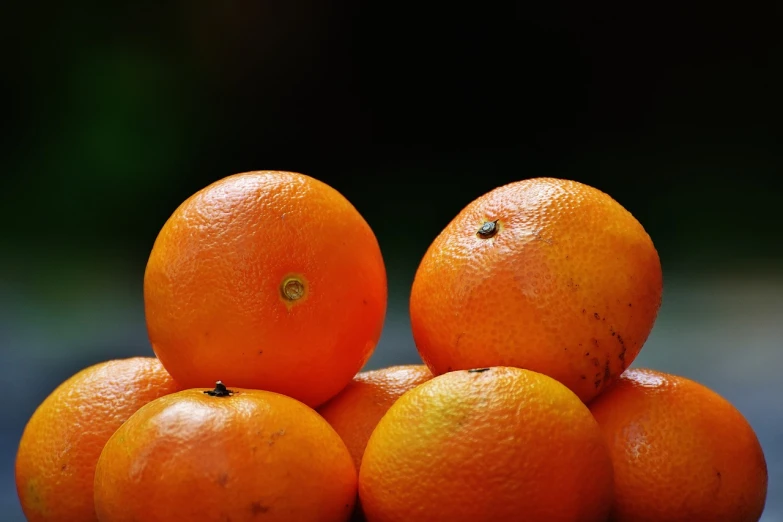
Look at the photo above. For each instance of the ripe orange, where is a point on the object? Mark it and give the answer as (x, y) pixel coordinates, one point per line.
(492, 444)
(356, 410)
(544, 274)
(267, 280)
(681, 452)
(225, 455)
(61, 443)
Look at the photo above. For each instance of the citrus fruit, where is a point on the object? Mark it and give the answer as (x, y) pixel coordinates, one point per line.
(225, 454)
(356, 410)
(63, 439)
(267, 280)
(491, 444)
(681, 452)
(544, 274)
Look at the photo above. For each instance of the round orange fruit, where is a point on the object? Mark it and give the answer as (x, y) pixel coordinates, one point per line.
(356, 410)
(223, 454)
(60, 446)
(681, 452)
(491, 444)
(544, 274)
(267, 280)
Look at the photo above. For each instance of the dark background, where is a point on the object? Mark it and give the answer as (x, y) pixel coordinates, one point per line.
(115, 114)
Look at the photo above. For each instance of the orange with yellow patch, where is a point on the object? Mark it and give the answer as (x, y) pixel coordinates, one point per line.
(545, 274)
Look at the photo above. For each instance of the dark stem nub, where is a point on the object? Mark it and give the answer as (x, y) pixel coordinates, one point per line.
(488, 229)
(220, 390)
(478, 370)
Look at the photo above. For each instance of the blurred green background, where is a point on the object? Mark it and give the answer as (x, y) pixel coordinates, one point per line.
(114, 114)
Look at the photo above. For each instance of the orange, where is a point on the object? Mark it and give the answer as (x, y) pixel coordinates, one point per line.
(222, 454)
(544, 274)
(681, 452)
(491, 444)
(356, 410)
(55, 463)
(266, 280)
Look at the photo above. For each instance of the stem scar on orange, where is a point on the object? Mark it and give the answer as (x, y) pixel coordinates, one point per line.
(225, 454)
(544, 274)
(269, 280)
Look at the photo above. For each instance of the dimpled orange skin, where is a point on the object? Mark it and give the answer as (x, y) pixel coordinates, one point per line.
(569, 286)
(681, 452)
(213, 287)
(253, 455)
(499, 445)
(61, 443)
(356, 410)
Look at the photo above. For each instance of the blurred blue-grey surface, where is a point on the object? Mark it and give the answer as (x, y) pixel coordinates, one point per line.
(116, 113)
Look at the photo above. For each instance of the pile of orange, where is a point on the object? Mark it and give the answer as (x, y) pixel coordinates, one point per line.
(265, 293)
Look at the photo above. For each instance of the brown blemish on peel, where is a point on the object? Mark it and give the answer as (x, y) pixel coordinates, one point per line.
(257, 508)
(478, 370)
(623, 349)
(539, 237)
(276, 435)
